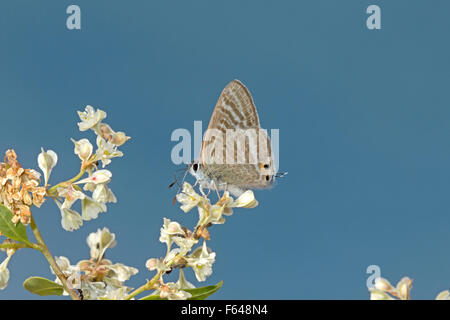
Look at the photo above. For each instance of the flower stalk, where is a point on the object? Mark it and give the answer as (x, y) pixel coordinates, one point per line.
(47, 254)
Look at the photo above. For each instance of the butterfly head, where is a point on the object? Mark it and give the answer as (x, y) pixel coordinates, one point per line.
(195, 169)
(194, 166)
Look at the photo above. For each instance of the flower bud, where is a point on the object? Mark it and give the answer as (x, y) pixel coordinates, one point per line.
(119, 138)
(106, 131)
(246, 200)
(404, 287)
(99, 176)
(4, 273)
(46, 161)
(175, 228)
(383, 285)
(444, 295)
(151, 264)
(83, 148)
(379, 295)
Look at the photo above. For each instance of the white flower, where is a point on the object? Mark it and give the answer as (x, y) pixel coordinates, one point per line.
(93, 290)
(383, 284)
(99, 241)
(119, 138)
(171, 255)
(70, 219)
(122, 272)
(151, 264)
(245, 200)
(201, 260)
(384, 290)
(97, 277)
(189, 198)
(171, 291)
(83, 149)
(70, 194)
(91, 208)
(156, 264)
(71, 272)
(404, 288)
(4, 272)
(169, 229)
(99, 176)
(183, 283)
(444, 295)
(112, 293)
(64, 264)
(103, 194)
(213, 215)
(46, 161)
(106, 132)
(185, 244)
(106, 151)
(90, 118)
(379, 295)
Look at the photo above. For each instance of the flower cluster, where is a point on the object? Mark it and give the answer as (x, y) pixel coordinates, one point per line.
(19, 188)
(384, 290)
(98, 278)
(107, 143)
(184, 255)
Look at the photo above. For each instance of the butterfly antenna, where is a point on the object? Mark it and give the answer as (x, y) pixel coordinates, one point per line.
(175, 181)
(175, 176)
(180, 185)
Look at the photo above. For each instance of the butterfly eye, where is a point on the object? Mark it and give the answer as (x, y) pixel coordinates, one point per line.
(266, 166)
(195, 167)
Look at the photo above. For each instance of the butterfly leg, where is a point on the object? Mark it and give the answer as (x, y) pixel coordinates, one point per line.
(202, 192)
(217, 191)
(200, 187)
(222, 186)
(196, 183)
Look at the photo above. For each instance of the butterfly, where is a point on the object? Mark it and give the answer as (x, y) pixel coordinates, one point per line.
(236, 153)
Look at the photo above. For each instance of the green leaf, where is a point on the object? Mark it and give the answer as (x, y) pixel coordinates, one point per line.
(197, 293)
(43, 287)
(7, 228)
(152, 297)
(204, 292)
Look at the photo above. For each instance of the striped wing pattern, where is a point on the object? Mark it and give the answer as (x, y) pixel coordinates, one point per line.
(235, 109)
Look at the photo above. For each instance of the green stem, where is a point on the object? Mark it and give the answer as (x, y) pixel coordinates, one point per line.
(149, 285)
(15, 245)
(145, 287)
(46, 252)
(78, 176)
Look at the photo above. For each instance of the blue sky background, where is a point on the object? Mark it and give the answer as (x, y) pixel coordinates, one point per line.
(364, 119)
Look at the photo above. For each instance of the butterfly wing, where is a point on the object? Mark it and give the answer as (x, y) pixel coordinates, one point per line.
(236, 110)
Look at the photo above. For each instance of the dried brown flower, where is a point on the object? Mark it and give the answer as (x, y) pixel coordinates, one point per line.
(19, 188)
